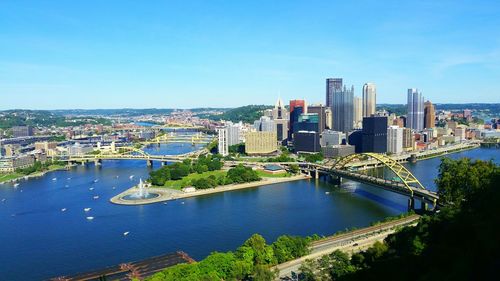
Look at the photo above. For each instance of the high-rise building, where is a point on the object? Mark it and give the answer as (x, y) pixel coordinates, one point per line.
(374, 136)
(332, 85)
(307, 141)
(279, 111)
(429, 115)
(343, 109)
(415, 110)
(233, 133)
(329, 137)
(307, 122)
(358, 112)
(394, 139)
(369, 99)
(22, 131)
(223, 147)
(281, 119)
(297, 107)
(408, 140)
(329, 118)
(321, 111)
(261, 143)
(264, 124)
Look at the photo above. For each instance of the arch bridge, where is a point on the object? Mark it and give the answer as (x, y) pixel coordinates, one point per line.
(131, 153)
(402, 180)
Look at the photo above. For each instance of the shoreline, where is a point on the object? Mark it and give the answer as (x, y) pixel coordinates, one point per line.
(33, 175)
(167, 194)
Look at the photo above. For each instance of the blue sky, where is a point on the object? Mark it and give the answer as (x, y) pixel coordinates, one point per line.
(114, 54)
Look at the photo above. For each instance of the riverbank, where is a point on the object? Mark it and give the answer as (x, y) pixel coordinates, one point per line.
(166, 194)
(14, 177)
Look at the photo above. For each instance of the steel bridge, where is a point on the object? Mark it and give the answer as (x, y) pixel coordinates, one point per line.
(403, 181)
(132, 153)
(198, 138)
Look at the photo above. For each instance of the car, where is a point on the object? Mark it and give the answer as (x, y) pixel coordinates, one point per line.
(355, 244)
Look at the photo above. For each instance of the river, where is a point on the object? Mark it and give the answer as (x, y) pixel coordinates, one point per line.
(38, 240)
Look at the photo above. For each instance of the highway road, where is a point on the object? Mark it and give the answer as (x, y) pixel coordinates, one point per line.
(351, 242)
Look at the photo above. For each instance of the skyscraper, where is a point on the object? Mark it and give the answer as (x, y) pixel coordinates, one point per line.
(343, 109)
(321, 111)
(297, 107)
(394, 139)
(415, 110)
(429, 115)
(358, 112)
(223, 147)
(374, 134)
(369, 99)
(332, 85)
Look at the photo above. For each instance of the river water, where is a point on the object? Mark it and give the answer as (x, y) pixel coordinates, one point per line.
(38, 240)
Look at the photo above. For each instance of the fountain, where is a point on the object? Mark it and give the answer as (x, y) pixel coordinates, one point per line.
(141, 193)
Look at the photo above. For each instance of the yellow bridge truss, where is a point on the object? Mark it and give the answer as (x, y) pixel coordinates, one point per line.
(407, 178)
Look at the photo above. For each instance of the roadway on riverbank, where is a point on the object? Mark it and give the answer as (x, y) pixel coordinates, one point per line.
(351, 242)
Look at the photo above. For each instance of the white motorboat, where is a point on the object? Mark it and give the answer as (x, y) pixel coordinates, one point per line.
(63, 210)
(91, 188)
(96, 197)
(131, 177)
(54, 179)
(126, 233)
(90, 218)
(87, 209)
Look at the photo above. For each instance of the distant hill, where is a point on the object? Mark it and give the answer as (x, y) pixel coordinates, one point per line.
(248, 113)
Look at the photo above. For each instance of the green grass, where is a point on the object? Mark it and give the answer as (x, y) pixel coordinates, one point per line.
(263, 174)
(10, 176)
(179, 184)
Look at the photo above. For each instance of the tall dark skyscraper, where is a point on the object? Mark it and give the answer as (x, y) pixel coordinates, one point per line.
(332, 85)
(374, 134)
(343, 110)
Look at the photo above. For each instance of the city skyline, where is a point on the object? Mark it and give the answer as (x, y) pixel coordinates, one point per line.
(182, 55)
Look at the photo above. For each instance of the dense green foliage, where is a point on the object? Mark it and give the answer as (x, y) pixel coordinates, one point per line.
(242, 174)
(40, 167)
(313, 158)
(178, 171)
(237, 148)
(247, 114)
(460, 242)
(251, 261)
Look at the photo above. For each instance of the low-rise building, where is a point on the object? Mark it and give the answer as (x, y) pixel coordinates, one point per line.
(79, 149)
(333, 151)
(10, 164)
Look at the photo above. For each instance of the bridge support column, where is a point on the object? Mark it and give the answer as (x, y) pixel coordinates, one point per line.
(98, 162)
(149, 163)
(316, 174)
(163, 163)
(411, 203)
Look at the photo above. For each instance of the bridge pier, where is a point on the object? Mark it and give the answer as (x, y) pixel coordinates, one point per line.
(411, 203)
(163, 163)
(98, 162)
(149, 163)
(316, 174)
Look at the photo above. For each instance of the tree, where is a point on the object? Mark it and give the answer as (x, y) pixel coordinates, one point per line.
(263, 273)
(460, 179)
(340, 265)
(290, 247)
(294, 168)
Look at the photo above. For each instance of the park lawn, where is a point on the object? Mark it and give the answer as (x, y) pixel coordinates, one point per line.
(56, 167)
(179, 184)
(263, 174)
(10, 176)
